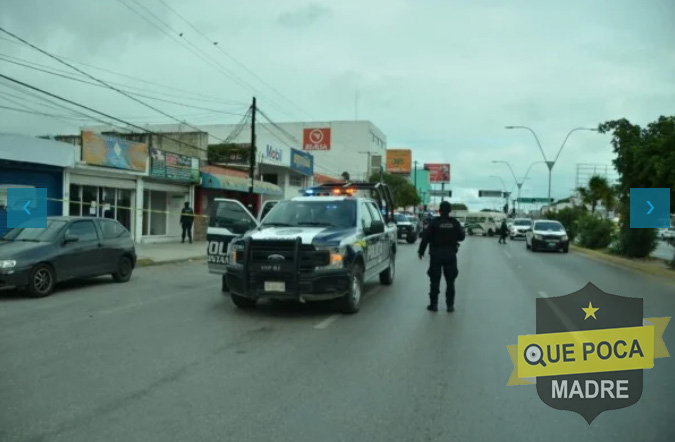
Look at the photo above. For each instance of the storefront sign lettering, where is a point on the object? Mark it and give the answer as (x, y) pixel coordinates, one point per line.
(274, 153)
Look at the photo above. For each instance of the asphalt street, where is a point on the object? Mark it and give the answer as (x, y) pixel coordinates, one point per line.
(166, 357)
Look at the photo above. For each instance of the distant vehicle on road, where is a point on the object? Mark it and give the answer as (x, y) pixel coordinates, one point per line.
(36, 259)
(547, 235)
(519, 227)
(482, 223)
(667, 234)
(406, 229)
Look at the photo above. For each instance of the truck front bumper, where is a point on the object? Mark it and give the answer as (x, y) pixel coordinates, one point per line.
(319, 285)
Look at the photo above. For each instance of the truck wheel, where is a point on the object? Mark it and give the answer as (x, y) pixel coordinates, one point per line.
(490, 232)
(411, 238)
(243, 302)
(387, 277)
(224, 288)
(351, 302)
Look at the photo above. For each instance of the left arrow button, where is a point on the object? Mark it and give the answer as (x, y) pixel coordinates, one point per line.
(25, 207)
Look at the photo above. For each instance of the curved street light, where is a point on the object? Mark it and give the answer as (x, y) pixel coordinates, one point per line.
(550, 164)
(518, 183)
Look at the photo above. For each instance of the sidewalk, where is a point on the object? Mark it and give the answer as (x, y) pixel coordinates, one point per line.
(162, 253)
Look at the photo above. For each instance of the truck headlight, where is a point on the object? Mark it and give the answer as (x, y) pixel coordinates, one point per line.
(337, 256)
(538, 237)
(564, 238)
(232, 251)
(7, 264)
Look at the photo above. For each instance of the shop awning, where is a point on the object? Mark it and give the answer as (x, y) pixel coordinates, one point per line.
(238, 184)
(36, 150)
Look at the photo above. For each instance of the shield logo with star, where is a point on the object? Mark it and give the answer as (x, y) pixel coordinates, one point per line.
(589, 309)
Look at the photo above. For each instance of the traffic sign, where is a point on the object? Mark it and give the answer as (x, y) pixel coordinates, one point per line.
(534, 200)
(446, 193)
(491, 194)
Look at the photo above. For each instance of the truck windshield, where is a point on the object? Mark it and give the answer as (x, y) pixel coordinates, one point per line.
(313, 213)
(523, 222)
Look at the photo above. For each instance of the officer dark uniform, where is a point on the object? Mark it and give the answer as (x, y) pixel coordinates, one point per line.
(187, 217)
(443, 236)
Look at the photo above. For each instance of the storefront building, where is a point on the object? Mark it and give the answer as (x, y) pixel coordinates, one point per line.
(29, 162)
(142, 187)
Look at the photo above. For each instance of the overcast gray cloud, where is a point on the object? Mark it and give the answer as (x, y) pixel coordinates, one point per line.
(441, 77)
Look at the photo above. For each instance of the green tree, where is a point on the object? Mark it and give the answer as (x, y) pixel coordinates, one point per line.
(405, 194)
(645, 157)
(597, 191)
(569, 217)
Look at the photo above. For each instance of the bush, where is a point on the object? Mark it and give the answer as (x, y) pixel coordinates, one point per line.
(568, 217)
(634, 243)
(595, 232)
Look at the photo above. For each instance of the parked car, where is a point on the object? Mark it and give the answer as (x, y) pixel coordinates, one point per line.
(36, 259)
(547, 235)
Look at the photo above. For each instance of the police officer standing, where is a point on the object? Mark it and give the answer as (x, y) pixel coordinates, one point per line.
(443, 236)
(187, 217)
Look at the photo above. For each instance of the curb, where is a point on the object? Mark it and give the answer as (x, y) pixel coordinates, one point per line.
(147, 262)
(632, 264)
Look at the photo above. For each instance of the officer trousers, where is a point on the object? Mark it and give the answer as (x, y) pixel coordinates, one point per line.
(442, 264)
(187, 229)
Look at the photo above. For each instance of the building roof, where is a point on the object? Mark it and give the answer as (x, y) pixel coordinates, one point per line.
(34, 150)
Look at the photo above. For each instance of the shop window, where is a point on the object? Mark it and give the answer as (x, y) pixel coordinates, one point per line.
(271, 178)
(89, 200)
(296, 180)
(155, 205)
(75, 200)
(123, 214)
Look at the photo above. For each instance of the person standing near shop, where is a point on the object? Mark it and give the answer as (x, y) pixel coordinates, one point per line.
(443, 236)
(187, 217)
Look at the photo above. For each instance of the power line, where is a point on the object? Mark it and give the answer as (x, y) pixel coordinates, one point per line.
(73, 78)
(65, 74)
(220, 48)
(26, 85)
(199, 53)
(94, 78)
(131, 77)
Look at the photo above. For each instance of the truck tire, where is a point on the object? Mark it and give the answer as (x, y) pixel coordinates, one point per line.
(411, 238)
(387, 277)
(351, 302)
(242, 302)
(224, 288)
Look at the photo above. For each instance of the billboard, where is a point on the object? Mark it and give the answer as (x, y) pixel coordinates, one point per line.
(172, 166)
(302, 162)
(316, 139)
(399, 160)
(438, 172)
(102, 150)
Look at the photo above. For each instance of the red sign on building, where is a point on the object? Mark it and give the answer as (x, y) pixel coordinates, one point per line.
(316, 139)
(438, 173)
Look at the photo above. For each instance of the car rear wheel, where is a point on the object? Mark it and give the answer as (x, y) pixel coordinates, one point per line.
(124, 270)
(42, 281)
(242, 302)
(566, 249)
(351, 302)
(387, 277)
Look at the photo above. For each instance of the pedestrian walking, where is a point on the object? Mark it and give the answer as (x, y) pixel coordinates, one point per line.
(187, 217)
(503, 232)
(442, 235)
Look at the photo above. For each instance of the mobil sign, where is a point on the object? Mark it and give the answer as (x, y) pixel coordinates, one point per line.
(274, 154)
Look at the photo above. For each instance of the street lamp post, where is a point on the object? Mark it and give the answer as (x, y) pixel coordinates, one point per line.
(519, 184)
(506, 197)
(550, 164)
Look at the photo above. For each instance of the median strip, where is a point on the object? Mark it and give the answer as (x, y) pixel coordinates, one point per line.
(654, 267)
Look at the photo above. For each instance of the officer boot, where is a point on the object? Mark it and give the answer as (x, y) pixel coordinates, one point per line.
(433, 303)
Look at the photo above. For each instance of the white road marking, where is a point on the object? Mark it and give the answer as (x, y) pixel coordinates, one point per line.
(543, 294)
(508, 255)
(329, 320)
(326, 322)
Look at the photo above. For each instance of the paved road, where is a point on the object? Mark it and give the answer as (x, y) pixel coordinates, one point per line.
(166, 358)
(663, 251)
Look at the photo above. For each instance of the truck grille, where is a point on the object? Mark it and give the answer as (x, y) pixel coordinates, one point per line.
(261, 250)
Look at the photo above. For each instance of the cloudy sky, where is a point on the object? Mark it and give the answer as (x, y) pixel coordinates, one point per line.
(442, 77)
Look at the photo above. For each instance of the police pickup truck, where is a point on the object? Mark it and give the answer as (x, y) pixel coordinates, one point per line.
(320, 246)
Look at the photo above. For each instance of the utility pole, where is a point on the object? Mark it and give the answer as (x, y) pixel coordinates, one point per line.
(252, 155)
(415, 181)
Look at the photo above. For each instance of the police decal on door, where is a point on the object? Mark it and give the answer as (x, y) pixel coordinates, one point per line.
(217, 252)
(374, 251)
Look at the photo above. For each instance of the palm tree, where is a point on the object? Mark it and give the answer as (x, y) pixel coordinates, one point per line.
(598, 190)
